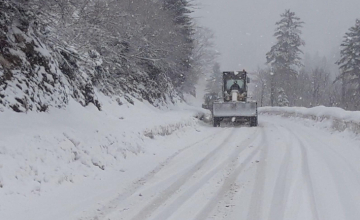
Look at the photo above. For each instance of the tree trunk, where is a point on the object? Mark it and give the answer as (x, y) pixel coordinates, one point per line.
(343, 93)
(272, 90)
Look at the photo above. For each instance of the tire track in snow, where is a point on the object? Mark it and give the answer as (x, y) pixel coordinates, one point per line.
(168, 192)
(226, 186)
(351, 211)
(188, 193)
(256, 203)
(329, 178)
(307, 177)
(282, 187)
(336, 154)
(131, 189)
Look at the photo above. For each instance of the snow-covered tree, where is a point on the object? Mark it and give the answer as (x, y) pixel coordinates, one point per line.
(320, 82)
(285, 54)
(214, 82)
(183, 77)
(125, 48)
(350, 67)
(261, 81)
(282, 98)
(204, 54)
(284, 57)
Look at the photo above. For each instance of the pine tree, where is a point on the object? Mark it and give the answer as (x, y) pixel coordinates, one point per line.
(350, 66)
(282, 98)
(284, 56)
(183, 77)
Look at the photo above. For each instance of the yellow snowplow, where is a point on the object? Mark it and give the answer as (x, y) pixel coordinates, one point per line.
(235, 106)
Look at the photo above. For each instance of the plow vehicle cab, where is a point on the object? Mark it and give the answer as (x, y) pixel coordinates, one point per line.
(235, 106)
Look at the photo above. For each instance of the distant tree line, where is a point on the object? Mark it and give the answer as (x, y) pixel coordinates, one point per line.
(291, 80)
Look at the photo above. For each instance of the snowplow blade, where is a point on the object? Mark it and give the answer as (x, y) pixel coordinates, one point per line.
(235, 109)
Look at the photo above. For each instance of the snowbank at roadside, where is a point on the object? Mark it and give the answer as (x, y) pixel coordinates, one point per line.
(80, 146)
(335, 118)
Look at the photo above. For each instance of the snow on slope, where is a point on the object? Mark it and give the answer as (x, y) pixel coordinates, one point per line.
(62, 156)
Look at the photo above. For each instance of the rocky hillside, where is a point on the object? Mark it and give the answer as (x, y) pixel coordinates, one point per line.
(49, 54)
(30, 78)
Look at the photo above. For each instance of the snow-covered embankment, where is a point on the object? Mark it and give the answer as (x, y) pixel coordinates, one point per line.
(330, 117)
(77, 150)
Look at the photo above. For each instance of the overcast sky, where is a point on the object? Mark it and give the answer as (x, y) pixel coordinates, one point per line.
(244, 28)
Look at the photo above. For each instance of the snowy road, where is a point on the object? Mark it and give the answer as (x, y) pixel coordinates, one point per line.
(280, 170)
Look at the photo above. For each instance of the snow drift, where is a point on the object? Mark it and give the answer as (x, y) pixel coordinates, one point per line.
(335, 118)
(80, 149)
(67, 145)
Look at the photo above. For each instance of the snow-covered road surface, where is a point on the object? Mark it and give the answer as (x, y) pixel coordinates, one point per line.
(280, 170)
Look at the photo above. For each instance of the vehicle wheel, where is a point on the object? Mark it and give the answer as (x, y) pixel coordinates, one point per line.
(254, 122)
(216, 122)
